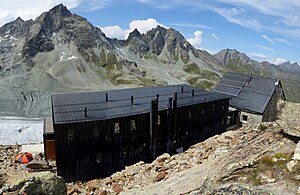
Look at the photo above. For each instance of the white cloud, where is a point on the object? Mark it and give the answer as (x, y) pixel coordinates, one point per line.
(141, 25)
(215, 36)
(238, 16)
(264, 47)
(292, 20)
(93, 5)
(29, 9)
(192, 25)
(258, 56)
(278, 61)
(113, 32)
(277, 40)
(197, 39)
(267, 39)
(144, 25)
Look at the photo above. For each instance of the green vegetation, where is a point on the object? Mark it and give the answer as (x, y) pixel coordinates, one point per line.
(254, 178)
(149, 82)
(175, 58)
(265, 162)
(262, 127)
(148, 56)
(276, 165)
(193, 80)
(205, 85)
(123, 82)
(192, 68)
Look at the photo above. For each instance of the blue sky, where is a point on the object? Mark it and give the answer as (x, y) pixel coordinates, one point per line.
(266, 30)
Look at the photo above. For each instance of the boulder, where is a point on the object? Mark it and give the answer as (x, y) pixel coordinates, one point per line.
(41, 183)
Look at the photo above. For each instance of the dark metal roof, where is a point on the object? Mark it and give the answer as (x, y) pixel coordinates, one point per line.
(71, 107)
(248, 93)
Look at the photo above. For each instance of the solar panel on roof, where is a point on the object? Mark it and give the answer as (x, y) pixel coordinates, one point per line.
(250, 93)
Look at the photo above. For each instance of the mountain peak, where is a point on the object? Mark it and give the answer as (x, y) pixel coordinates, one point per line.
(19, 20)
(134, 34)
(232, 54)
(60, 10)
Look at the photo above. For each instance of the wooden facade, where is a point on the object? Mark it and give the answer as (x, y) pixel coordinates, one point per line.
(97, 148)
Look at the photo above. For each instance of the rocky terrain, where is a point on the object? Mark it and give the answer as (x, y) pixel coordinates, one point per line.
(63, 52)
(255, 159)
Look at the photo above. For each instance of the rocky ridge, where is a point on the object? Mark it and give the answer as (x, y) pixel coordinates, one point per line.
(62, 52)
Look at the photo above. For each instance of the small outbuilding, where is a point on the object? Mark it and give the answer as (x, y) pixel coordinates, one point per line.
(98, 133)
(254, 98)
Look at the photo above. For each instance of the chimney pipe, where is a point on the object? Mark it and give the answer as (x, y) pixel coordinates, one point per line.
(157, 97)
(106, 97)
(175, 96)
(181, 89)
(193, 92)
(131, 100)
(85, 112)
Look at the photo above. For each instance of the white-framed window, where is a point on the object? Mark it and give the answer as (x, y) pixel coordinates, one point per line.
(223, 121)
(70, 134)
(229, 120)
(158, 120)
(99, 158)
(244, 118)
(132, 125)
(214, 107)
(190, 113)
(117, 128)
(202, 110)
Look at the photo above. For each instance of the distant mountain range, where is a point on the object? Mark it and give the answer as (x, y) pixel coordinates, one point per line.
(63, 52)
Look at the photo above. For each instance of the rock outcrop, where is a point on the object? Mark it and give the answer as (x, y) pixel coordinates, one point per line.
(43, 183)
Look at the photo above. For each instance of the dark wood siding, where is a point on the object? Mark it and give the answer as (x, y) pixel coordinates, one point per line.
(91, 155)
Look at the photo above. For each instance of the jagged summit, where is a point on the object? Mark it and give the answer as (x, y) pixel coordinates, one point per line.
(60, 10)
(19, 19)
(134, 34)
(226, 55)
(15, 28)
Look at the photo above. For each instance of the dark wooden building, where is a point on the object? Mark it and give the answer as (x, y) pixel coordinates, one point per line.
(254, 98)
(98, 133)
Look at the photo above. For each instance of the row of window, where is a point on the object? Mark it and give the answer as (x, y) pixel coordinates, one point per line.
(96, 131)
(117, 129)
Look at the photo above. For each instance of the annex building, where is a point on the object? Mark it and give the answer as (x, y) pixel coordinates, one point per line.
(252, 98)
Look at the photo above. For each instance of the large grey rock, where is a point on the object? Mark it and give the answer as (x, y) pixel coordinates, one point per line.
(43, 183)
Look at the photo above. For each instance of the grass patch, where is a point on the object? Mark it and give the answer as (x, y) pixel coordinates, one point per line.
(123, 82)
(286, 156)
(254, 178)
(262, 127)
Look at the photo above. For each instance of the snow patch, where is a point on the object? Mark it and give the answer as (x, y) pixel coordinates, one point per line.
(72, 57)
(14, 130)
(61, 57)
